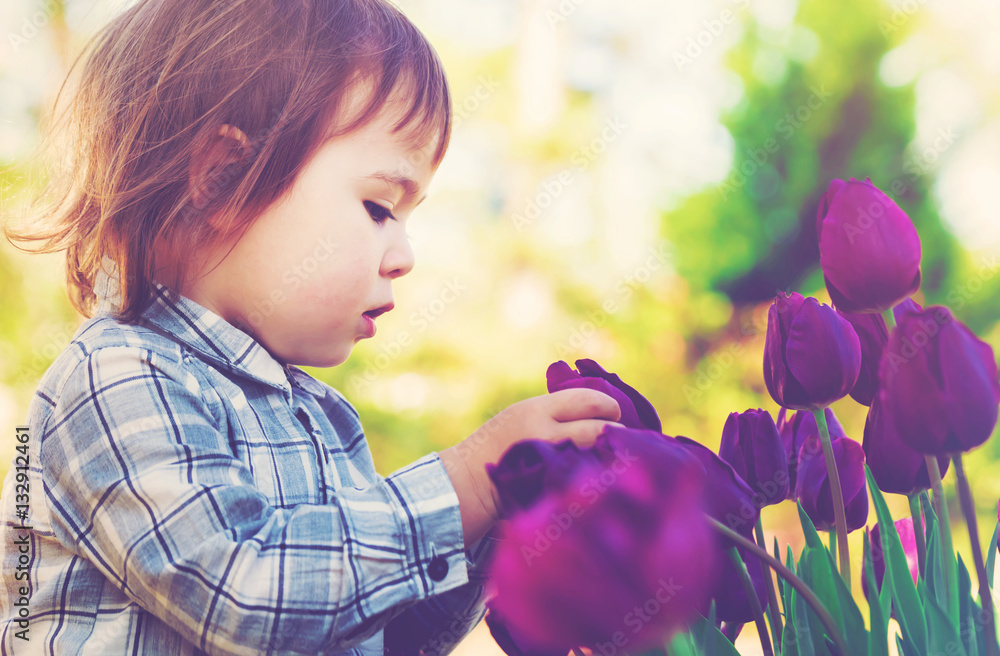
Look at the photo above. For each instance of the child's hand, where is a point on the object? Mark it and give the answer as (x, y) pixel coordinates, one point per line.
(578, 414)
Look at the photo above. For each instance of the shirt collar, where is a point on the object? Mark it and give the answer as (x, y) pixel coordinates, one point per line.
(205, 332)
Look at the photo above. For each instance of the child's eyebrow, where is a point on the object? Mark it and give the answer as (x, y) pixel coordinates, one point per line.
(410, 187)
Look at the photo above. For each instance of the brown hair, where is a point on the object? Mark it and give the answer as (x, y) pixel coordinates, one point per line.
(163, 76)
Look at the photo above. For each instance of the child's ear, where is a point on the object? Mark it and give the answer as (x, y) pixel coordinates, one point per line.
(206, 173)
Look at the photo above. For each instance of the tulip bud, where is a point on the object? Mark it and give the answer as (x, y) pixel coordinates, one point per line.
(814, 483)
(897, 468)
(874, 335)
(752, 445)
(637, 412)
(812, 356)
(939, 385)
(868, 248)
(795, 430)
(904, 527)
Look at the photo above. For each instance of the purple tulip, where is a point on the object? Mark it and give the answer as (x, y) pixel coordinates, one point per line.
(868, 248)
(586, 563)
(904, 527)
(637, 412)
(812, 356)
(531, 468)
(874, 336)
(897, 468)
(939, 382)
(730, 500)
(814, 483)
(795, 430)
(752, 445)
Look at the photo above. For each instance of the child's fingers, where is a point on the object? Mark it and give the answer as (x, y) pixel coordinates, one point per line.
(584, 431)
(583, 403)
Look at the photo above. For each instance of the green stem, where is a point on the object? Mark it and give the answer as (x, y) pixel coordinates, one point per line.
(800, 586)
(772, 597)
(985, 596)
(890, 319)
(918, 532)
(758, 612)
(944, 532)
(839, 515)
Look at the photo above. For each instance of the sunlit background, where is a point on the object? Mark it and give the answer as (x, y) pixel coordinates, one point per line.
(629, 181)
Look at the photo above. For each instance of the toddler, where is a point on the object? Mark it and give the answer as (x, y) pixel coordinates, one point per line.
(192, 490)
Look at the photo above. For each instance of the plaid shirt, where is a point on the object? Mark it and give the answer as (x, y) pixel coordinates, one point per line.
(189, 495)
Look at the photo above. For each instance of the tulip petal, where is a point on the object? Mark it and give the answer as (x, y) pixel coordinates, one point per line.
(814, 483)
(644, 409)
(823, 353)
(781, 384)
(909, 391)
(969, 373)
(874, 335)
(559, 376)
(869, 249)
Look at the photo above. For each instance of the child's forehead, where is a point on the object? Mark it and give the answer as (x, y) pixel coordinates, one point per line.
(402, 115)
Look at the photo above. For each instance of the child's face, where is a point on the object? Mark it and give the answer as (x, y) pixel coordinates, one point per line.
(310, 275)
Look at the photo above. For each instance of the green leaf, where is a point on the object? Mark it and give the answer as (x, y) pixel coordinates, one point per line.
(808, 529)
(712, 641)
(968, 610)
(781, 580)
(905, 648)
(878, 638)
(706, 638)
(802, 638)
(991, 552)
(934, 574)
(942, 636)
(814, 569)
(909, 610)
(681, 645)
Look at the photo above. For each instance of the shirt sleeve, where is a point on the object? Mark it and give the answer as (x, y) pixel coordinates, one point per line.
(435, 626)
(140, 481)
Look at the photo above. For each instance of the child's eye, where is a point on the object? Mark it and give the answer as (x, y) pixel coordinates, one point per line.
(378, 213)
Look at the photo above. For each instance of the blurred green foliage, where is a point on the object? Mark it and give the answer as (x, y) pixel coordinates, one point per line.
(689, 331)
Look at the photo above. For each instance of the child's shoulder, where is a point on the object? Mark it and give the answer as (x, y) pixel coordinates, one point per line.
(104, 332)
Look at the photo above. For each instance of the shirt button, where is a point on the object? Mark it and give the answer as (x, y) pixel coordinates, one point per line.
(438, 568)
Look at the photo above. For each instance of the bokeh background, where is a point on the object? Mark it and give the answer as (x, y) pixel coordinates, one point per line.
(630, 181)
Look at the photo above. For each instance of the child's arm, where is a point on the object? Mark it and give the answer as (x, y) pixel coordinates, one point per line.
(579, 414)
(436, 625)
(143, 485)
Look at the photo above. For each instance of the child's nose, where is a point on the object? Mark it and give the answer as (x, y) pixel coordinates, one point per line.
(399, 259)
